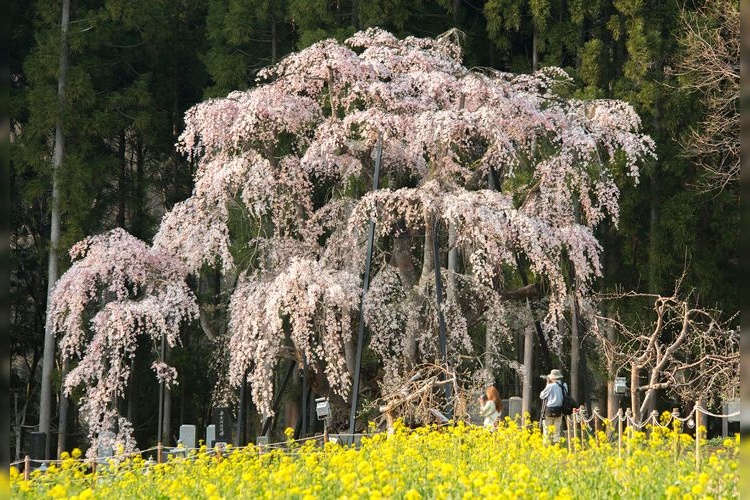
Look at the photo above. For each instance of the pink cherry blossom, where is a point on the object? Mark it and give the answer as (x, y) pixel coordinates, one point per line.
(284, 174)
(117, 289)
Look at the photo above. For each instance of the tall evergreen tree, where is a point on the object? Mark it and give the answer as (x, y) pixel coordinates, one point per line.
(45, 403)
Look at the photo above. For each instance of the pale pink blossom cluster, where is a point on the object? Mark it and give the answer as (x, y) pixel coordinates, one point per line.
(196, 233)
(385, 316)
(165, 374)
(117, 289)
(256, 117)
(318, 304)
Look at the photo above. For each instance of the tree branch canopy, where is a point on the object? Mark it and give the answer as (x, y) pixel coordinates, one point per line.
(290, 157)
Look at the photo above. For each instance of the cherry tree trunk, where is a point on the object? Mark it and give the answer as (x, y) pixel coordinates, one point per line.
(428, 259)
(452, 263)
(45, 400)
(405, 267)
(167, 417)
(635, 375)
(528, 370)
(650, 399)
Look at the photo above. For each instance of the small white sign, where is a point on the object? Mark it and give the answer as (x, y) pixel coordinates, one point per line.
(732, 406)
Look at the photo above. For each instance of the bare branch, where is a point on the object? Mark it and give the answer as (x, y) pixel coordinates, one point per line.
(686, 350)
(710, 65)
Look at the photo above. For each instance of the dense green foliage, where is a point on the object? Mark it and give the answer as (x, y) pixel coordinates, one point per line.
(135, 67)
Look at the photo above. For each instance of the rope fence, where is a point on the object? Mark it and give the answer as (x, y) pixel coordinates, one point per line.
(578, 425)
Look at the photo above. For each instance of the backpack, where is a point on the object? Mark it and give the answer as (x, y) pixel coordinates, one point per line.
(568, 404)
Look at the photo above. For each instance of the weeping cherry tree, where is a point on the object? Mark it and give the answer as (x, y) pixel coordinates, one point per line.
(495, 165)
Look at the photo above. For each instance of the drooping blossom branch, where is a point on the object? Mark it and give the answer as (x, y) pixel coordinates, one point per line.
(318, 304)
(117, 289)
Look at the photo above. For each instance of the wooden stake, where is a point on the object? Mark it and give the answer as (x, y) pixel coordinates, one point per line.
(582, 417)
(596, 425)
(619, 432)
(698, 423)
(675, 428)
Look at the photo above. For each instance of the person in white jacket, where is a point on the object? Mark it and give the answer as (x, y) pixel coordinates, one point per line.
(552, 397)
(492, 406)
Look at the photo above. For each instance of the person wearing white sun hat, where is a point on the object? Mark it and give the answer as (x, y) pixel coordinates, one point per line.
(552, 400)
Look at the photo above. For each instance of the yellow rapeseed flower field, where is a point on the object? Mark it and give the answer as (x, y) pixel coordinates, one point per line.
(457, 461)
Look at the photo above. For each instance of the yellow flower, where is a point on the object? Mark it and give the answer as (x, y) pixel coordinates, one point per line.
(446, 468)
(412, 494)
(564, 494)
(76, 453)
(211, 490)
(58, 491)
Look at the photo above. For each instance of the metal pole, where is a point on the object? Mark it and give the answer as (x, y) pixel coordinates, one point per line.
(629, 422)
(240, 410)
(439, 303)
(116, 407)
(654, 422)
(365, 287)
(161, 396)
